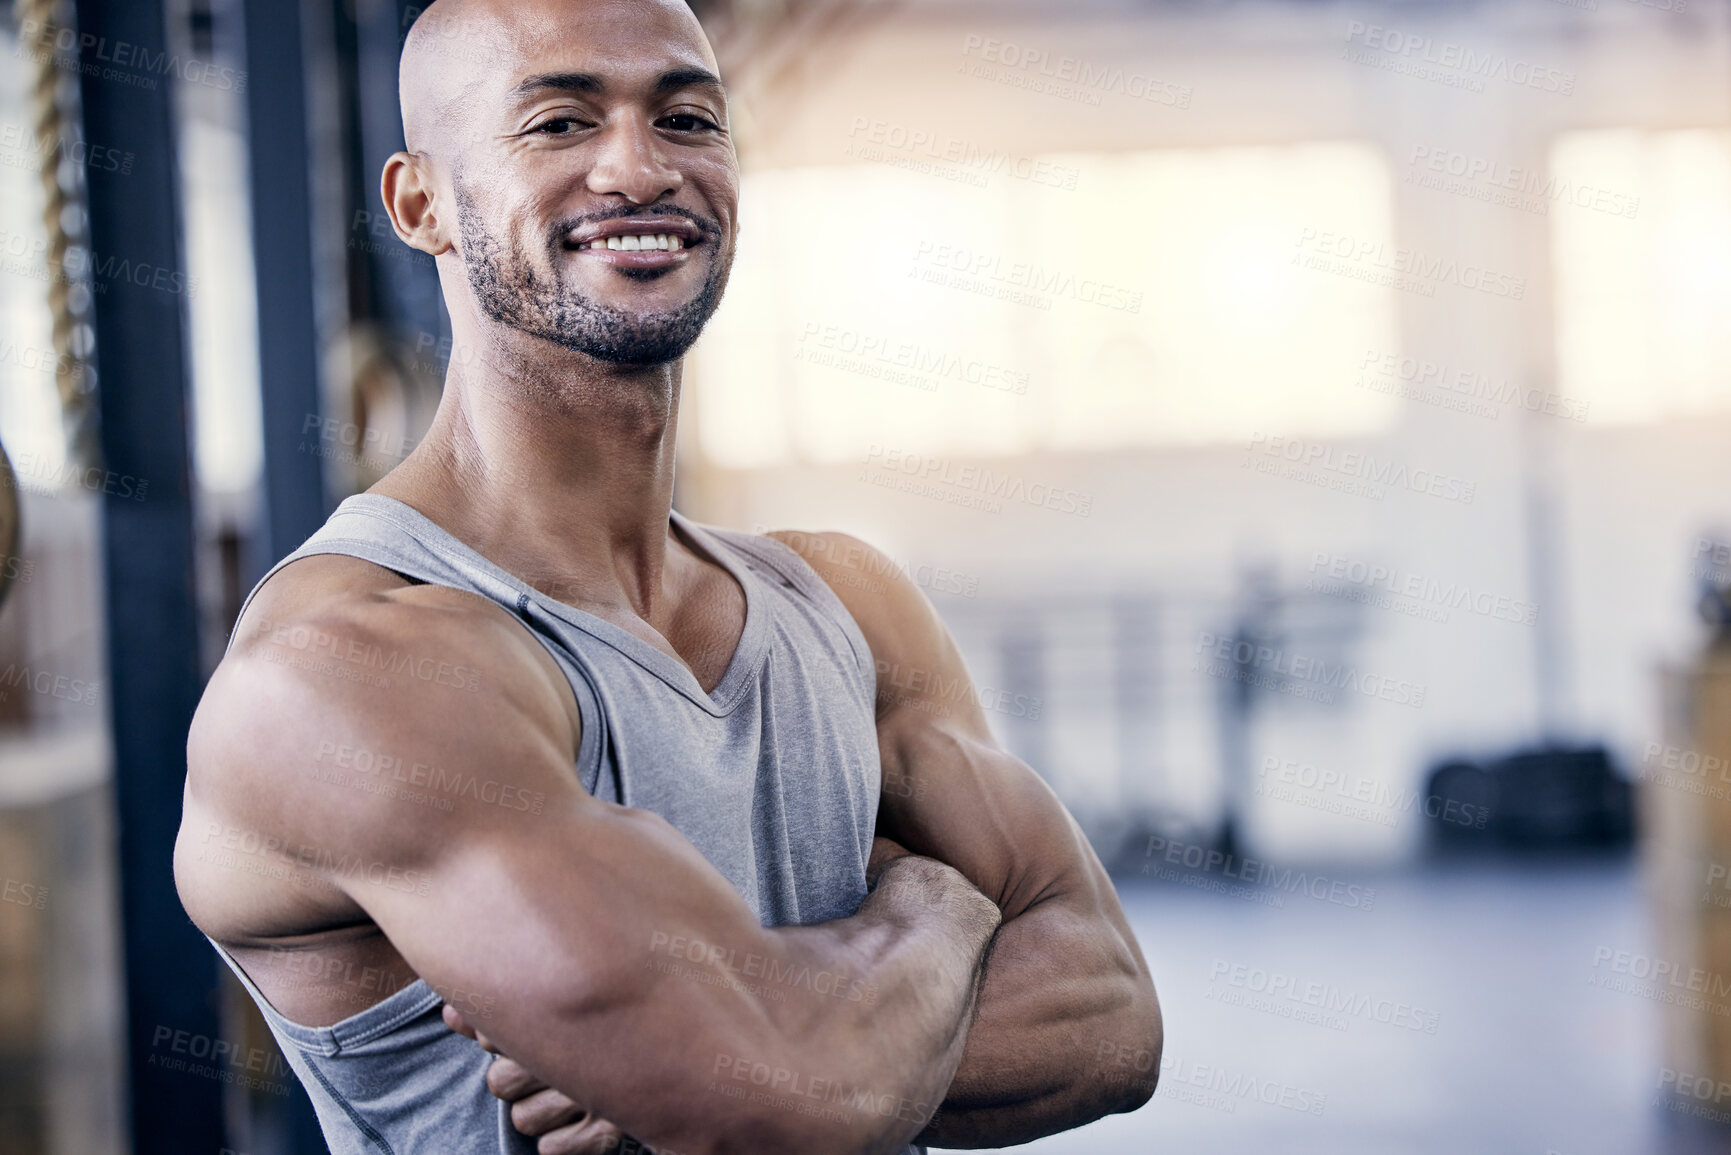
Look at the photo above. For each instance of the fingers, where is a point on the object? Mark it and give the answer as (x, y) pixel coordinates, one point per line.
(537, 1110)
(510, 1080)
(544, 1111)
(884, 851)
(591, 1137)
(455, 1020)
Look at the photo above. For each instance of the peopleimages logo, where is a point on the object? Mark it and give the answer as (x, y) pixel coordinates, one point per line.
(24, 894)
(1688, 771)
(1470, 64)
(1331, 791)
(217, 1054)
(833, 984)
(927, 690)
(1529, 189)
(47, 683)
(1234, 1087)
(861, 351)
(1392, 266)
(1277, 988)
(1091, 79)
(1686, 760)
(1417, 377)
(862, 559)
(1300, 675)
(889, 142)
(120, 60)
(38, 148)
(1671, 981)
(36, 358)
(1676, 1088)
(1354, 580)
(1349, 470)
(81, 263)
(387, 774)
(1023, 282)
(978, 484)
(1210, 860)
(269, 856)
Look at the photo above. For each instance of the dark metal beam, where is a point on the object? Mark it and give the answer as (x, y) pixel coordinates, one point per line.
(126, 80)
(404, 293)
(288, 347)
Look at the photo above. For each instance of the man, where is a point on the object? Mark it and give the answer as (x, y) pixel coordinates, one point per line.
(623, 791)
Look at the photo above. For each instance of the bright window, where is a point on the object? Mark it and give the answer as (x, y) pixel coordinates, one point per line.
(1641, 226)
(1157, 301)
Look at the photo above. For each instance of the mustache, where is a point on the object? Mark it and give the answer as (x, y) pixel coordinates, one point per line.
(563, 228)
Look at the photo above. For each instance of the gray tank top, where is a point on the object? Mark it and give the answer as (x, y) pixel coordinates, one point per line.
(773, 775)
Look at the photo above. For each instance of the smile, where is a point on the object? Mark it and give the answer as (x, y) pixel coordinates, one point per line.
(648, 242)
(634, 243)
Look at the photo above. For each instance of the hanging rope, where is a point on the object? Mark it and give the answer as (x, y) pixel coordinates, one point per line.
(54, 116)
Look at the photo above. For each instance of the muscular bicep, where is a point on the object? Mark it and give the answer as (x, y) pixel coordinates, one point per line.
(450, 816)
(950, 789)
(953, 796)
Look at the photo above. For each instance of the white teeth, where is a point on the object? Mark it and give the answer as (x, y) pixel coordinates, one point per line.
(664, 242)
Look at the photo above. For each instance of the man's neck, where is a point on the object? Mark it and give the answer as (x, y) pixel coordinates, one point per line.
(561, 473)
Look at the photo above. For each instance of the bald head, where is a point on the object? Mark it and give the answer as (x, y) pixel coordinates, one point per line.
(464, 58)
(571, 166)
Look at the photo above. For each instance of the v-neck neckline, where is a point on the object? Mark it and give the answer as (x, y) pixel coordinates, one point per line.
(741, 669)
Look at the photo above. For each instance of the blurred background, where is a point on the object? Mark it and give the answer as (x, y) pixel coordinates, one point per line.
(1311, 418)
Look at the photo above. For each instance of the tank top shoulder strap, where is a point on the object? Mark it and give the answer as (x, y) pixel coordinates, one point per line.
(393, 535)
(397, 537)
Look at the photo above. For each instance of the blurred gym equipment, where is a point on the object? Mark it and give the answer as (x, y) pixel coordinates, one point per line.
(8, 523)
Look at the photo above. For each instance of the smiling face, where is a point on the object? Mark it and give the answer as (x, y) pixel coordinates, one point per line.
(585, 148)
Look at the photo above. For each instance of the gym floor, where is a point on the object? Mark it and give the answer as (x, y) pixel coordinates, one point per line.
(1527, 1056)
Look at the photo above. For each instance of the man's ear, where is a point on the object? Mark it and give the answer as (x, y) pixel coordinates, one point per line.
(410, 197)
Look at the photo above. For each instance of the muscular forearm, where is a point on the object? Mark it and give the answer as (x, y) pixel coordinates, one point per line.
(1066, 1030)
(838, 1038)
(912, 958)
(917, 944)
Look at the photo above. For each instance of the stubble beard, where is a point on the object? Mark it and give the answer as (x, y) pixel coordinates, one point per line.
(512, 293)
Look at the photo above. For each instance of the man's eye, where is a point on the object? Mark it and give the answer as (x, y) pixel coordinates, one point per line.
(559, 126)
(687, 122)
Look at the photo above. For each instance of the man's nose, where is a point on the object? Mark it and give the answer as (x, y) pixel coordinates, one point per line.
(632, 163)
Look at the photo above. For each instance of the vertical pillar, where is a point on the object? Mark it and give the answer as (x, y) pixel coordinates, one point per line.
(127, 76)
(294, 492)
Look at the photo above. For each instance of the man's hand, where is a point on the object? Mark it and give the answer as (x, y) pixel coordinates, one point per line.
(561, 1124)
(883, 853)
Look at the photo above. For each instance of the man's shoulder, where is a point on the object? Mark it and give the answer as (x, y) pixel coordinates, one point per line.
(873, 586)
(334, 608)
(332, 645)
(359, 717)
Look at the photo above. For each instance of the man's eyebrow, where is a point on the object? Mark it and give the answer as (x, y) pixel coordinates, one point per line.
(689, 78)
(589, 83)
(560, 82)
